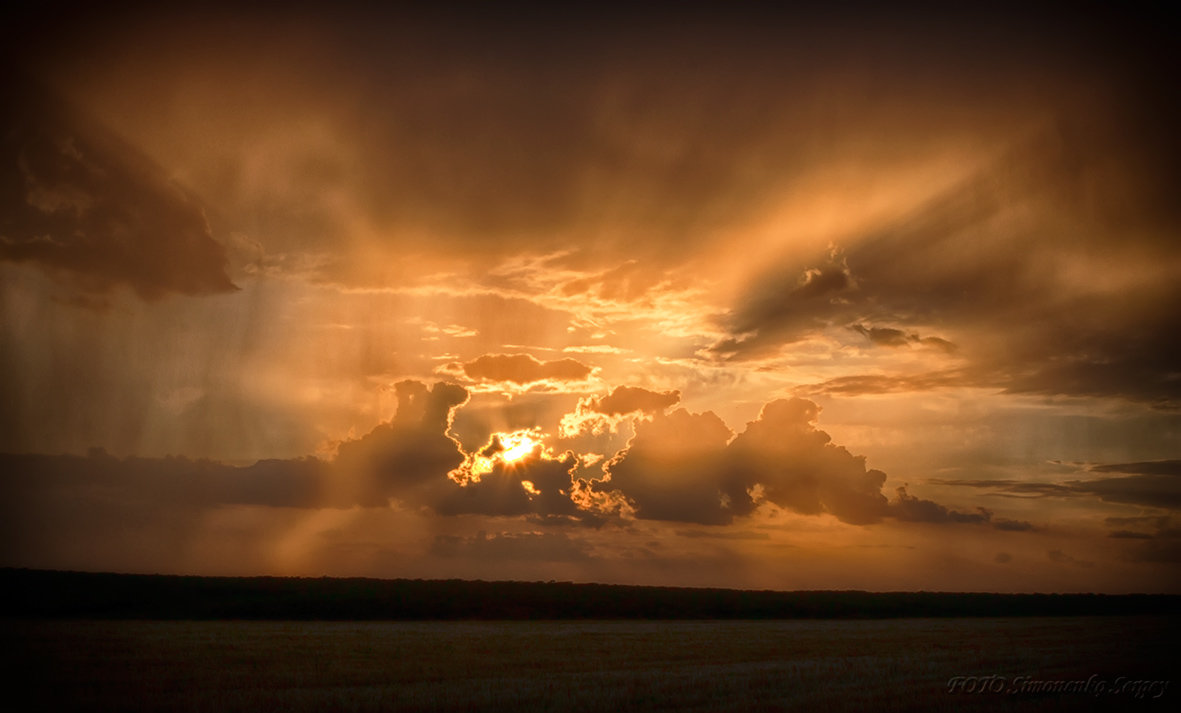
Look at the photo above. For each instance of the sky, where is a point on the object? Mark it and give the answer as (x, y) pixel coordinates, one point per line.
(838, 297)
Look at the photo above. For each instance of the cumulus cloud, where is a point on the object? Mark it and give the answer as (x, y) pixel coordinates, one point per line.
(94, 211)
(538, 484)
(599, 414)
(801, 470)
(678, 466)
(524, 369)
(407, 459)
(691, 468)
(411, 451)
(675, 468)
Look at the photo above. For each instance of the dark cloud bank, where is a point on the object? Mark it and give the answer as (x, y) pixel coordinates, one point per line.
(679, 467)
(1155, 484)
(81, 202)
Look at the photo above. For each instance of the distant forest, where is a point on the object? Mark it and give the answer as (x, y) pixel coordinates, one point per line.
(31, 594)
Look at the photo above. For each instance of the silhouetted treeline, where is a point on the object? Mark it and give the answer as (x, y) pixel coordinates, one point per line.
(48, 594)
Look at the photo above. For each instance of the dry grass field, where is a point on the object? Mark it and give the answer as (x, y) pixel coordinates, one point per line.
(881, 665)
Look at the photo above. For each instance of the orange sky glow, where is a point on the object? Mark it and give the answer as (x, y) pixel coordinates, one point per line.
(808, 299)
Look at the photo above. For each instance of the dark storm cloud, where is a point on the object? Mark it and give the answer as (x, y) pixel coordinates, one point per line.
(786, 308)
(92, 209)
(1010, 251)
(54, 506)
(527, 127)
(407, 459)
(524, 369)
(170, 482)
(1061, 241)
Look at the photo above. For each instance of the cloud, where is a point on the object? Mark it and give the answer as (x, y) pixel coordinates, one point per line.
(801, 470)
(786, 307)
(77, 511)
(863, 384)
(1156, 467)
(1007, 250)
(538, 484)
(685, 467)
(524, 369)
(675, 468)
(411, 451)
(911, 509)
(600, 414)
(629, 282)
(892, 337)
(1147, 538)
(406, 459)
(94, 211)
(1161, 491)
(631, 399)
(908, 508)
(1157, 521)
(173, 481)
(1154, 484)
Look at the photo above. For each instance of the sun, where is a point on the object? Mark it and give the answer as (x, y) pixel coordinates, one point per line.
(517, 446)
(507, 450)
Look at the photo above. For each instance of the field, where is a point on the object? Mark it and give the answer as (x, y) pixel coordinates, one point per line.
(593, 665)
